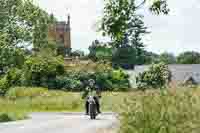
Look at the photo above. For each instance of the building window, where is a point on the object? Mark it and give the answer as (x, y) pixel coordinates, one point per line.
(62, 38)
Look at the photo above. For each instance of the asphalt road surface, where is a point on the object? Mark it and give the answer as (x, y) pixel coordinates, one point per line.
(60, 123)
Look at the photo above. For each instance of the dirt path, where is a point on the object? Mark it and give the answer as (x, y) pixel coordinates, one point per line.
(60, 123)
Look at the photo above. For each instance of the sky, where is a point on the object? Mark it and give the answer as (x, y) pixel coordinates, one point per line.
(175, 33)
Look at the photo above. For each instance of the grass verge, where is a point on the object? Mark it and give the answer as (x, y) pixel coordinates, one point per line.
(164, 111)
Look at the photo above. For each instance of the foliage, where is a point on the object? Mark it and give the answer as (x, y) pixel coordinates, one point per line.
(123, 25)
(99, 51)
(109, 79)
(78, 53)
(163, 111)
(124, 57)
(69, 83)
(157, 76)
(22, 21)
(21, 92)
(11, 78)
(10, 57)
(42, 69)
(12, 116)
(148, 58)
(105, 76)
(189, 57)
(8, 116)
(167, 58)
(4, 86)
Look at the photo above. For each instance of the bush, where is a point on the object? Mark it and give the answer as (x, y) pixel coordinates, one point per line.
(4, 86)
(108, 78)
(68, 83)
(157, 76)
(12, 78)
(4, 117)
(7, 116)
(41, 70)
(20, 92)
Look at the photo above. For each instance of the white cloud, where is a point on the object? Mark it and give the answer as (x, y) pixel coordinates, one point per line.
(174, 33)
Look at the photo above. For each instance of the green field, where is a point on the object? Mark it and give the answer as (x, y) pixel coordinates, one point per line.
(153, 111)
(21, 100)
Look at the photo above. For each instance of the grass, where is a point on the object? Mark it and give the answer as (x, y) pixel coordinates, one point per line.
(169, 111)
(23, 100)
(41, 100)
(153, 111)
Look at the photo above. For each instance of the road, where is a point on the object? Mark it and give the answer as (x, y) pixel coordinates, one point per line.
(60, 123)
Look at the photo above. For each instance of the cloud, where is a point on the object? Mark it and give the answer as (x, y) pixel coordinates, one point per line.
(175, 33)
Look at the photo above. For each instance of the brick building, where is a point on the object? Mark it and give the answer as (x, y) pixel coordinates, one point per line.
(60, 32)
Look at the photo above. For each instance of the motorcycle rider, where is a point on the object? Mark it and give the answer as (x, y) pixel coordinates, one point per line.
(91, 87)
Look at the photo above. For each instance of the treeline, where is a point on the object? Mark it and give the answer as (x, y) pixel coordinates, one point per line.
(127, 55)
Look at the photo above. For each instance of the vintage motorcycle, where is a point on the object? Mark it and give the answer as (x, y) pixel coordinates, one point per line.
(92, 102)
(92, 107)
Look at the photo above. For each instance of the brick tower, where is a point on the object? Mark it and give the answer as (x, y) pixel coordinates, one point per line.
(60, 32)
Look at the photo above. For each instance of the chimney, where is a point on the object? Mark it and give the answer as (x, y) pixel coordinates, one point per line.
(68, 21)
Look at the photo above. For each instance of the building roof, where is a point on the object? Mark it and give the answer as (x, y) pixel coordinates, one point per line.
(179, 72)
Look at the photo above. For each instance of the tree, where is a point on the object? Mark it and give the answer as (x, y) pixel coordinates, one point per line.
(10, 57)
(189, 57)
(148, 58)
(119, 15)
(124, 56)
(167, 58)
(42, 69)
(78, 53)
(125, 27)
(23, 22)
(99, 51)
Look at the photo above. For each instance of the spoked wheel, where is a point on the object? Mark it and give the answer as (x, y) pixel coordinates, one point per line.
(92, 111)
(92, 117)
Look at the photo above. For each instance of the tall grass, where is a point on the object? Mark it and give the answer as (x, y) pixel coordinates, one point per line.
(24, 99)
(165, 111)
(40, 99)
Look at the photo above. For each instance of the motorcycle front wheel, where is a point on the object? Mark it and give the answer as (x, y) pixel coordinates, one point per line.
(92, 109)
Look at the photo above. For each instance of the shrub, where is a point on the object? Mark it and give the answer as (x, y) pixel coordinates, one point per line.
(157, 76)
(13, 77)
(68, 83)
(4, 86)
(41, 70)
(4, 117)
(8, 116)
(20, 92)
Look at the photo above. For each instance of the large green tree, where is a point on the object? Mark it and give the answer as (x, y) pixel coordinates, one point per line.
(125, 26)
(99, 51)
(189, 57)
(23, 22)
(167, 58)
(120, 15)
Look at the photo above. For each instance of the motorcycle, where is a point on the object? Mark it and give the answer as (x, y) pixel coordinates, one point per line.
(92, 107)
(92, 102)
